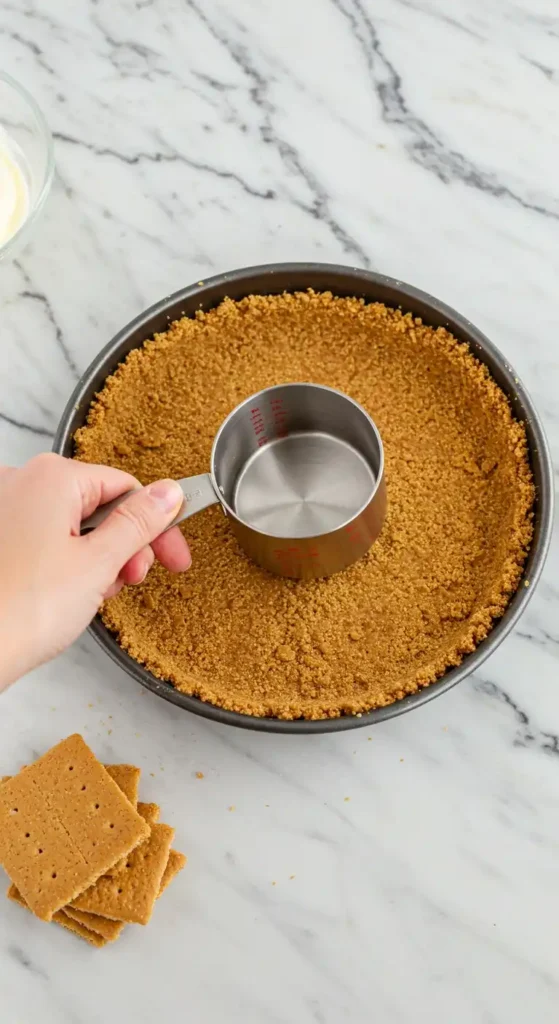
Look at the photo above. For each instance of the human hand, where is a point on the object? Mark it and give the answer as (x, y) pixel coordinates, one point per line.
(52, 580)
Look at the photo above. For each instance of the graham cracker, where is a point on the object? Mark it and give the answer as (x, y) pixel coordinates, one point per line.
(109, 930)
(127, 778)
(63, 823)
(149, 812)
(94, 938)
(174, 864)
(176, 860)
(129, 894)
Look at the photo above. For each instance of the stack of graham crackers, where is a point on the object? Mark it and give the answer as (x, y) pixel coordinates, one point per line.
(79, 848)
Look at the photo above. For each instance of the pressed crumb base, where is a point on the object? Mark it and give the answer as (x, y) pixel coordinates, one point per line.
(457, 531)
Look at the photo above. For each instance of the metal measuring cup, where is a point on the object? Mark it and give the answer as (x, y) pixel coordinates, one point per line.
(299, 471)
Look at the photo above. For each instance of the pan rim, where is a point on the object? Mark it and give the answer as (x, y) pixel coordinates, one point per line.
(354, 279)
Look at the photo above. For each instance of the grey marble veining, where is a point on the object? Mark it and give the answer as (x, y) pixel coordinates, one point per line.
(418, 138)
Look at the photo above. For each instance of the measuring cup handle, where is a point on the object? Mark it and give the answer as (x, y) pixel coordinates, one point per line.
(198, 493)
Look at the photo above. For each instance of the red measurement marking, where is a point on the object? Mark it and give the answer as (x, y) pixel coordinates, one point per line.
(258, 425)
(279, 416)
(354, 533)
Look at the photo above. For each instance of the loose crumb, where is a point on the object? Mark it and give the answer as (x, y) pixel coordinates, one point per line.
(285, 653)
(347, 799)
(199, 775)
(291, 877)
(451, 553)
(232, 808)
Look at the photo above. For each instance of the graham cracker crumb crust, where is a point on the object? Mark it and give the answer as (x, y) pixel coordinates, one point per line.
(456, 536)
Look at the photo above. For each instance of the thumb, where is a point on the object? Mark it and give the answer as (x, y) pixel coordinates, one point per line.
(135, 523)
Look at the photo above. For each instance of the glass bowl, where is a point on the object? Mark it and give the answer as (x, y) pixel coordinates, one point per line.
(30, 141)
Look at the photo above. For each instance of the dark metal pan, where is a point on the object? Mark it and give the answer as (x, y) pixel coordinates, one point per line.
(277, 278)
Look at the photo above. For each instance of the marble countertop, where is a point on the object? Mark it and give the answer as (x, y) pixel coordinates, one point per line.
(394, 875)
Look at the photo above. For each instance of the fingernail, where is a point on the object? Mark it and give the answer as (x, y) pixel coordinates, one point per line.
(167, 494)
(145, 572)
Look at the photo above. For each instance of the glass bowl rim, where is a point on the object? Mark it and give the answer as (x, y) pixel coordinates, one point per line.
(46, 135)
